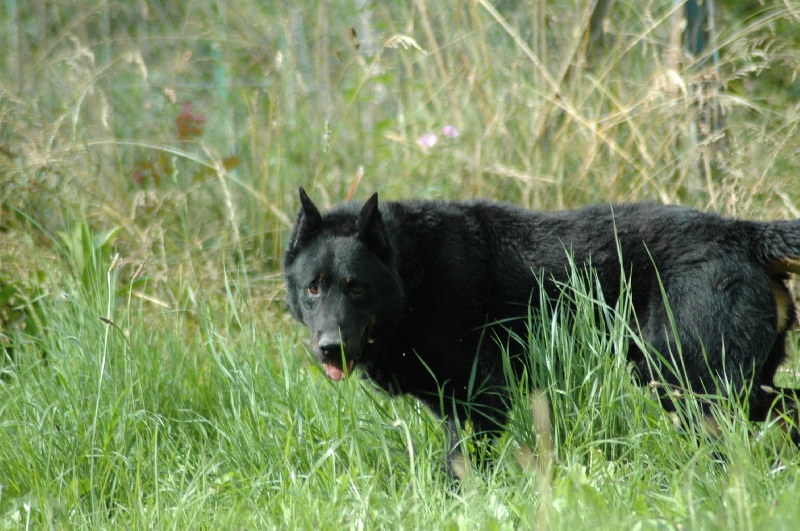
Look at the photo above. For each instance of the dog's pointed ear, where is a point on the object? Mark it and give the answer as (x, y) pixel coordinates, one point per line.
(369, 216)
(370, 226)
(307, 225)
(309, 210)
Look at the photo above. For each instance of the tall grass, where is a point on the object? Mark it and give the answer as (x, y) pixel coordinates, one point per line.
(131, 421)
(167, 388)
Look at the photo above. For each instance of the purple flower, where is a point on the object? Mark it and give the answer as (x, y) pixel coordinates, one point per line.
(427, 140)
(450, 131)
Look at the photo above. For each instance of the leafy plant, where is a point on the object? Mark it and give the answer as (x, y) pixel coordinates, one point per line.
(88, 254)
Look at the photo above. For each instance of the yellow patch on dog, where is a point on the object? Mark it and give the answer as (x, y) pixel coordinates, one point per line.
(788, 265)
(782, 306)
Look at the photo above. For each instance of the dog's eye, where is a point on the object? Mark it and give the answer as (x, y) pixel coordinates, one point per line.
(356, 289)
(313, 290)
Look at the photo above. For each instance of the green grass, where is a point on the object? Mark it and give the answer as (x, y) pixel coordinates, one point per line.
(168, 387)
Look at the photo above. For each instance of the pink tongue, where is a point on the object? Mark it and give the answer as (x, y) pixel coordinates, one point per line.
(335, 373)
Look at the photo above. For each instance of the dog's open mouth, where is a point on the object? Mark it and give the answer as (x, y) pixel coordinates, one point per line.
(336, 372)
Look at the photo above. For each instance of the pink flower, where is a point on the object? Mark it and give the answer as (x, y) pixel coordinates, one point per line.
(450, 131)
(427, 140)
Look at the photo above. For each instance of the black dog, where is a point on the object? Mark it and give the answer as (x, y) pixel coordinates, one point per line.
(413, 293)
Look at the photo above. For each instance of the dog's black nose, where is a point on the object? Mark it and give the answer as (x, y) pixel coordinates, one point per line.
(331, 348)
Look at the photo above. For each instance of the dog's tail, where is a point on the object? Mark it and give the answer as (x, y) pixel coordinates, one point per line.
(778, 245)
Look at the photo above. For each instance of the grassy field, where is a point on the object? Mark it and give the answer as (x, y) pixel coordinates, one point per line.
(149, 160)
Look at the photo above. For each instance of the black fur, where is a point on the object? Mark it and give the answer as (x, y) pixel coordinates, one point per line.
(410, 292)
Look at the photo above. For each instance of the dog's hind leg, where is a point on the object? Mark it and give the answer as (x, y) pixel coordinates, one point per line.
(768, 401)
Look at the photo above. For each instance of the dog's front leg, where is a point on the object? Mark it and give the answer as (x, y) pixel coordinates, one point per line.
(457, 463)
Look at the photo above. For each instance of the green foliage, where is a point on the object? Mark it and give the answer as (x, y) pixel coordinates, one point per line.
(576, 347)
(90, 254)
(150, 154)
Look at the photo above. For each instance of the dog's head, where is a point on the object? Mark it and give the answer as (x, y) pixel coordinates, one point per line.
(341, 281)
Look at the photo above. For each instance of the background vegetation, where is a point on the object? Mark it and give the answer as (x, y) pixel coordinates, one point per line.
(150, 154)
